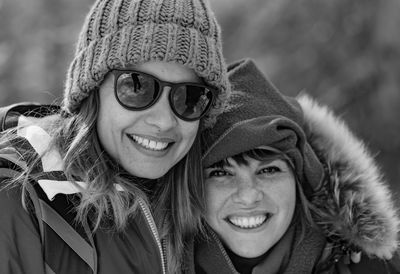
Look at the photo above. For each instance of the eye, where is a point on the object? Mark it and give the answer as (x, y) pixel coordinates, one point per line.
(133, 84)
(216, 173)
(270, 170)
(136, 90)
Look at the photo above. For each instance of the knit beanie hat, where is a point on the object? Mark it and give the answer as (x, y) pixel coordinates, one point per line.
(118, 33)
(257, 115)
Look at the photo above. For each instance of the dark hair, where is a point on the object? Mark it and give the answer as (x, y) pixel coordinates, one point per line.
(302, 214)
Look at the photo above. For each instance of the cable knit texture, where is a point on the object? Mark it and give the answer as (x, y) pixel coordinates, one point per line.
(119, 33)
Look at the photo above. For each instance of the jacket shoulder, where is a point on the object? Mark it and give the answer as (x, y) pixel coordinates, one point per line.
(19, 236)
(375, 265)
(12, 210)
(10, 113)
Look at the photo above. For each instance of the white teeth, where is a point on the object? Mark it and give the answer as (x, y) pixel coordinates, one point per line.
(248, 222)
(149, 144)
(153, 144)
(159, 145)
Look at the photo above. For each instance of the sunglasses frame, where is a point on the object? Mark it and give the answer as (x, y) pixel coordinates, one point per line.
(173, 87)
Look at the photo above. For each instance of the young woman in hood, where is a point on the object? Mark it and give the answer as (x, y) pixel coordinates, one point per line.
(289, 189)
(115, 173)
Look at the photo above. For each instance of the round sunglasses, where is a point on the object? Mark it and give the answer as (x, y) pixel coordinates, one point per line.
(136, 90)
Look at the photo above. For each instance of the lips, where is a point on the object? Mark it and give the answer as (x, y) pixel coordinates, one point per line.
(148, 143)
(248, 222)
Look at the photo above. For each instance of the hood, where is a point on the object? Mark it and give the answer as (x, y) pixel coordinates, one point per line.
(257, 115)
(354, 204)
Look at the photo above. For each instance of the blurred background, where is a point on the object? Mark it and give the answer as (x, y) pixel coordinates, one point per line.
(344, 53)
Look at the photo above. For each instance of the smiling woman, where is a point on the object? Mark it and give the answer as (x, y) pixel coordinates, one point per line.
(149, 142)
(111, 181)
(289, 189)
(250, 196)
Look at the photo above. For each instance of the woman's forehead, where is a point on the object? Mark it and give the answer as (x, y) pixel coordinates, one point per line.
(249, 157)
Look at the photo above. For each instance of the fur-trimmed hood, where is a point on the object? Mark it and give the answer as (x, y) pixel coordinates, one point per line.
(354, 205)
(350, 200)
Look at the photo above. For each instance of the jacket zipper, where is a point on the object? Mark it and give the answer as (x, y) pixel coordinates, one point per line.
(164, 250)
(153, 228)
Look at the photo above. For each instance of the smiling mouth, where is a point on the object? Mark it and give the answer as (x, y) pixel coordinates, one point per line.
(149, 144)
(249, 222)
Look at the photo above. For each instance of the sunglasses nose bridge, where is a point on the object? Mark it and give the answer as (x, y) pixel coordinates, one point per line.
(161, 113)
(168, 89)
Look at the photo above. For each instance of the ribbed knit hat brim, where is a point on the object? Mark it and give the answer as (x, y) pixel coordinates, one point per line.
(123, 40)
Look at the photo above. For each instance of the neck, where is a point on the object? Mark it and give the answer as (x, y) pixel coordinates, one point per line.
(244, 265)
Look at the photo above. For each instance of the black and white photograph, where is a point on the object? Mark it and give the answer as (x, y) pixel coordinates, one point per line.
(199, 137)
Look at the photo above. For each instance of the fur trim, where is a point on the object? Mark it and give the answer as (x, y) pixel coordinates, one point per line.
(354, 206)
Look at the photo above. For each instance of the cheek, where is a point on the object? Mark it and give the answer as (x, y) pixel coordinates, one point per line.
(103, 119)
(111, 121)
(108, 109)
(109, 118)
(212, 201)
(216, 203)
(105, 130)
(188, 132)
(190, 129)
(287, 194)
(291, 194)
(112, 116)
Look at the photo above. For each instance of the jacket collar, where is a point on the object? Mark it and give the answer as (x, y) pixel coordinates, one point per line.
(52, 179)
(288, 256)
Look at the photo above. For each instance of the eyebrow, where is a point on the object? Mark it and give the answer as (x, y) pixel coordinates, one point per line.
(244, 162)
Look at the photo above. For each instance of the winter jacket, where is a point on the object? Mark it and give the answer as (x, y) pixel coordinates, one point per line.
(354, 212)
(55, 243)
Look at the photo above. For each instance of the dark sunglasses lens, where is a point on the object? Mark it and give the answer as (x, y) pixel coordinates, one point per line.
(136, 90)
(191, 102)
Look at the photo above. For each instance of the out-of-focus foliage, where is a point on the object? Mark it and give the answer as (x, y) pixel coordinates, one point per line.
(344, 53)
(36, 44)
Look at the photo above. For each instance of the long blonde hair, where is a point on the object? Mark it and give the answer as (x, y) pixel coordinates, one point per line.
(178, 199)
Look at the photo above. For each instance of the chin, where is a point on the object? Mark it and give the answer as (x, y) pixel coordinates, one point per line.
(251, 254)
(248, 252)
(149, 175)
(146, 173)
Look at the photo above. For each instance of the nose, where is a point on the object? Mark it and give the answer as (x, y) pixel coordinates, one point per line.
(248, 193)
(160, 114)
